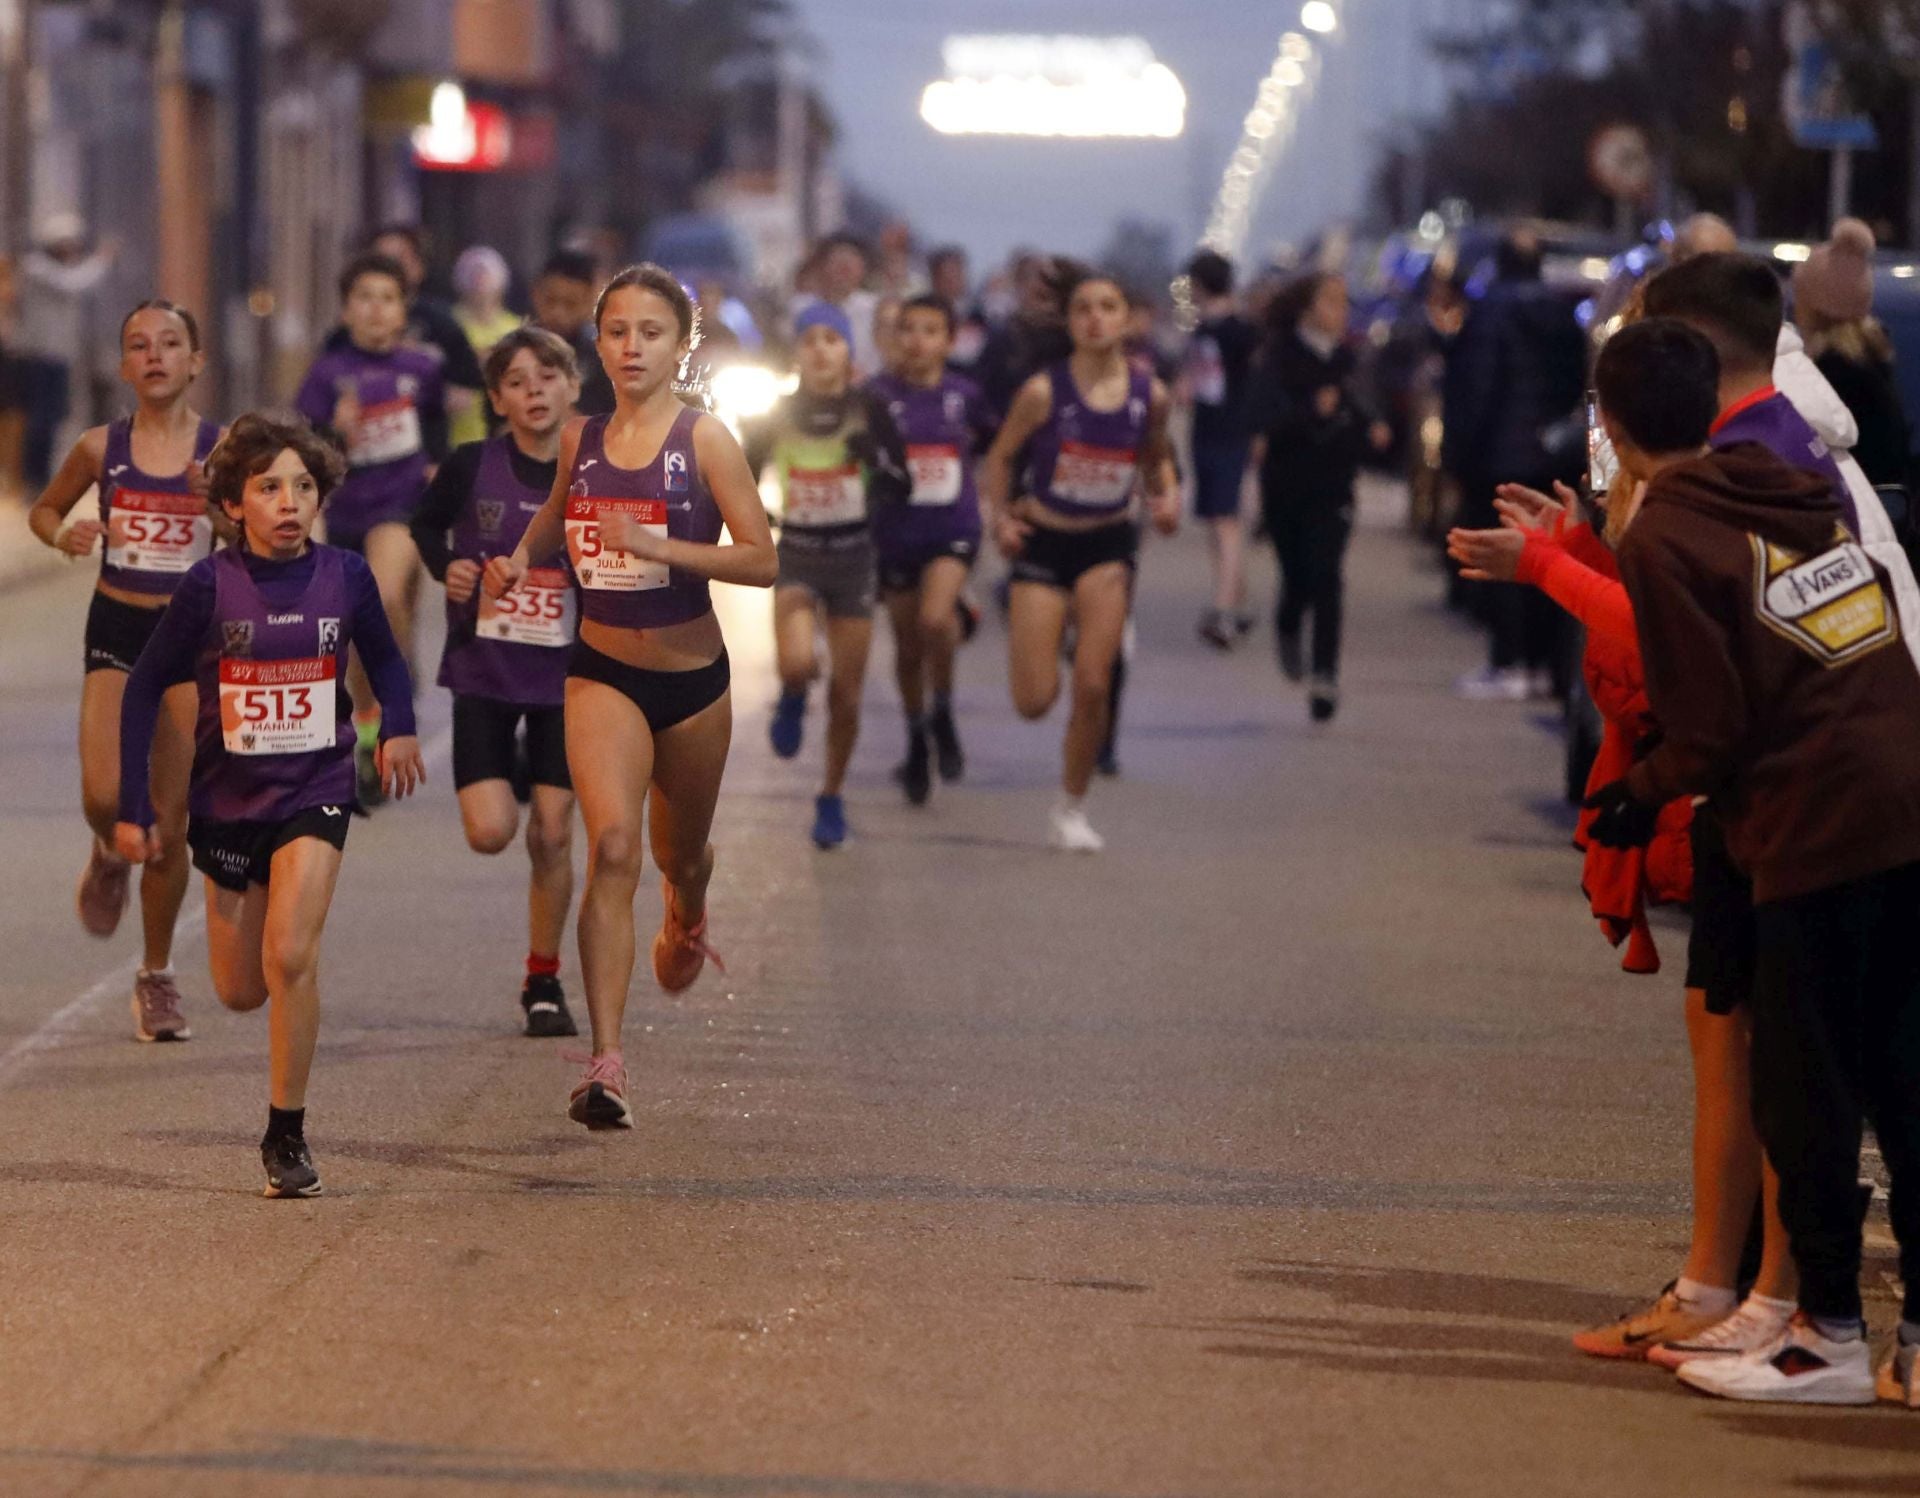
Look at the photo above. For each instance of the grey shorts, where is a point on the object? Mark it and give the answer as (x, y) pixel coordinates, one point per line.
(839, 572)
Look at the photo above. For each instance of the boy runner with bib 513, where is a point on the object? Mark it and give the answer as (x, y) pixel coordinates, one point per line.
(154, 522)
(506, 658)
(262, 628)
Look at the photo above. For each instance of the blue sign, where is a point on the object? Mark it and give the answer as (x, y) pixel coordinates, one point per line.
(1820, 114)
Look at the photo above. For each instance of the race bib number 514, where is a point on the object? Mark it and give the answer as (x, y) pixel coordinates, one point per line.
(277, 707)
(608, 569)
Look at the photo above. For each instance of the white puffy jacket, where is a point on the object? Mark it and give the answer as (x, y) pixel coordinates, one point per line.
(1799, 379)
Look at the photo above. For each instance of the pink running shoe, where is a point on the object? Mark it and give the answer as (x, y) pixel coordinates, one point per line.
(156, 1009)
(680, 951)
(102, 898)
(600, 1100)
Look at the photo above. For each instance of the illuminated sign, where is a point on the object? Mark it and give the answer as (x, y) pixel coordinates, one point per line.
(1072, 86)
(462, 137)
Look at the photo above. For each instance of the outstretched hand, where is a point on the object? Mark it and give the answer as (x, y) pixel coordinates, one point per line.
(1487, 556)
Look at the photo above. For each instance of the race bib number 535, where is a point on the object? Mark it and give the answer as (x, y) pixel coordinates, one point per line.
(277, 707)
(541, 611)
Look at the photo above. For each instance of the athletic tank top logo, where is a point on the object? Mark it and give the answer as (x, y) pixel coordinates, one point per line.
(490, 512)
(676, 471)
(237, 637)
(329, 635)
(954, 404)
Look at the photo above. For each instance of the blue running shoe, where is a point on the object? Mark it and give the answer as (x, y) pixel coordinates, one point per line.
(829, 821)
(789, 719)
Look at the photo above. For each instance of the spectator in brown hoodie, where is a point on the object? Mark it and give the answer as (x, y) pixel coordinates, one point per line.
(1772, 663)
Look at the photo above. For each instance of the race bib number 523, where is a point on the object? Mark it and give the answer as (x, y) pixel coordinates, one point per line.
(277, 707)
(157, 532)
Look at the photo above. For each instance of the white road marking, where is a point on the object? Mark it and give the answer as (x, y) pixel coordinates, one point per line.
(71, 1016)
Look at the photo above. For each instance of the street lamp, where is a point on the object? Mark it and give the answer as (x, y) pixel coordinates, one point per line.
(1320, 16)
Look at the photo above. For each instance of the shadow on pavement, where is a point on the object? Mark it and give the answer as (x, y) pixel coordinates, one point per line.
(351, 1461)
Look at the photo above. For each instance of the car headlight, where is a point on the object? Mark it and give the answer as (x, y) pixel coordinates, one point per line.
(742, 392)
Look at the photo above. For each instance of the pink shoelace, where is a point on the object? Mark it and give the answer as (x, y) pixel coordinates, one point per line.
(610, 1070)
(695, 936)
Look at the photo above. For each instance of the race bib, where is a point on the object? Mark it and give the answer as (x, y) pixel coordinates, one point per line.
(936, 474)
(157, 532)
(826, 496)
(603, 568)
(389, 431)
(541, 611)
(1094, 476)
(277, 707)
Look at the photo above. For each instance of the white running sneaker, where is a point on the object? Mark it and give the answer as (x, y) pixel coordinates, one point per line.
(1899, 1381)
(1752, 1325)
(1489, 685)
(1798, 1367)
(1069, 830)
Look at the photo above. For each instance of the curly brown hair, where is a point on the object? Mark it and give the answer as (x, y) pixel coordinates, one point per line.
(255, 440)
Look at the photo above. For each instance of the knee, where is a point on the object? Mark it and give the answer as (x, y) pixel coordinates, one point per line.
(617, 854)
(240, 992)
(843, 699)
(549, 839)
(1032, 701)
(941, 629)
(101, 810)
(291, 965)
(1091, 690)
(485, 835)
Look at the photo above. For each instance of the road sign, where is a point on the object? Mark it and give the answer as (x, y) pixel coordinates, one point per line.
(1820, 113)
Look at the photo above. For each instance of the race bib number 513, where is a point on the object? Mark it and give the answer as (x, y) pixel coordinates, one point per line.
(277, 707)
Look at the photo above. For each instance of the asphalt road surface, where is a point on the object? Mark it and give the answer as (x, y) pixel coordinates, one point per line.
(1277, 1150)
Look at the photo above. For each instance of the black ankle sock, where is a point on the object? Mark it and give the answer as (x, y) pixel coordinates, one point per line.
(285, 1123)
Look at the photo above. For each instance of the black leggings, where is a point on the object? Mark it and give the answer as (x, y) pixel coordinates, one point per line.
(1310, 535)
(1836, 1035)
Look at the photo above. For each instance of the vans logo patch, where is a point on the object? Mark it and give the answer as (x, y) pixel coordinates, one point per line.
(1831, 604)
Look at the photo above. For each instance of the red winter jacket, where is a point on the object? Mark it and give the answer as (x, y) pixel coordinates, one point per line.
(1574, 568)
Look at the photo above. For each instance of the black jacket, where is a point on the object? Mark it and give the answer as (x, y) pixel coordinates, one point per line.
(1309, 456)
(1869, 390)
(1518, 370)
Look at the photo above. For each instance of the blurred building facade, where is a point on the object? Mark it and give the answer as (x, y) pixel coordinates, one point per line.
(232, 153)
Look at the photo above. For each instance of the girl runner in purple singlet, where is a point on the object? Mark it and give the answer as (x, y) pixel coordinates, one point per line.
(639, 502)
(155, 525)
(1098, 425)
(261, 629)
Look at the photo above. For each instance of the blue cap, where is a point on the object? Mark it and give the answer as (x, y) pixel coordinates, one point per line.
(823, 315)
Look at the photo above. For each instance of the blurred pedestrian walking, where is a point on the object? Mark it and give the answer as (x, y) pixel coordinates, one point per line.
(1215, 381)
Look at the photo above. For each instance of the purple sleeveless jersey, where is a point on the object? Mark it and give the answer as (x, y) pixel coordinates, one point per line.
(670, 498)
(1086, 463)
(387, 461)
(270, 683)
(944, 427)
(156, 528)
(513, 650)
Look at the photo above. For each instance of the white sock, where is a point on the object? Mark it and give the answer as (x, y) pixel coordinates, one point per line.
(1705, 1298)
(1780, 1310)
(156, 972)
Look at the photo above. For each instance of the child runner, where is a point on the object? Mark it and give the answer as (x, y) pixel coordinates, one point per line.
(385, 402)
(840, 459)
(1216, 379)
(1774, 665)
(927, 546)
(506, 659)
(262, 629)
(640, 499)
(148, 467)
(1099, 430)
(1311, 432)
